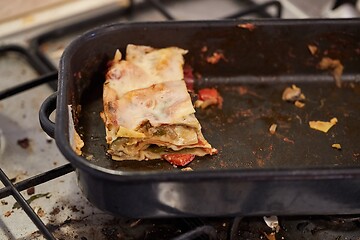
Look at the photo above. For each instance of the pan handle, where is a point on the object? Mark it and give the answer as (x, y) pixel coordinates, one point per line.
(48, 106)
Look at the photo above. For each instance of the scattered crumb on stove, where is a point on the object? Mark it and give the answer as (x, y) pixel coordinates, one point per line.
(248, 26)
(55, 211)
(272, 128)
(30, 191)
(55, 163)
(335, 66)
(8, 213)
(336, 146)
(20, 176)
(323, 126)
(49, 140)
(313, 49)
(40, 212)
(187, 169)
(74, 208)
(24, 143)
(3, 202)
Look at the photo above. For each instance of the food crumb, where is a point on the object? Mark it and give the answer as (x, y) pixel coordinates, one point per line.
(30, 191)
(248, 26)
(40, 212)
(24, 143)
(336, 146)
(299, 104)
(8, 213)
(335, 66)
(313, 49)
(272, 222)
(208, 97)
(187, 169)
(74, 209)
(3, 202)
(272, 128)
(215, 57)
(323, 126)
(288, 140)
(293, 94)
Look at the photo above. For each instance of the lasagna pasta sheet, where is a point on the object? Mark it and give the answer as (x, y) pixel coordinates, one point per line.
(147, 110)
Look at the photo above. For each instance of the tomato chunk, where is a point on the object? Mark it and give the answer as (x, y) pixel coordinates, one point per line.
(179, 159)
(211, 96)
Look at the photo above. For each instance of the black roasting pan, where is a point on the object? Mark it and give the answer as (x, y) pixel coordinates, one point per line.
(293, 171)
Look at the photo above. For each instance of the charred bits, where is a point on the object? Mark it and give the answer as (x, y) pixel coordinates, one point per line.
(30, 191)
(55, 211)
(24, 143)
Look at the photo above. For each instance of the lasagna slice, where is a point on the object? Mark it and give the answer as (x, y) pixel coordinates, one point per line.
(148, 113)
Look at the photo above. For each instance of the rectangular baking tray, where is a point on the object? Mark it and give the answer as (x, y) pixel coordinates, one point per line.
(294, 171)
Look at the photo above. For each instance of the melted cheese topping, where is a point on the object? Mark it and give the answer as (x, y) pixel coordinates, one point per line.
(158, 104)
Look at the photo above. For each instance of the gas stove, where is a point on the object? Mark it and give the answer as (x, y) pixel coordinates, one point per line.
(40, 198)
